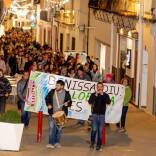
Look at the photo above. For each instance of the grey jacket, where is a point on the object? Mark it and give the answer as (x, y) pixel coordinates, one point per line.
(21, 92)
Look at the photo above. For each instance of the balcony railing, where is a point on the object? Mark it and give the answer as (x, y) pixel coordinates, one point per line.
(65, 16)
(120, 7)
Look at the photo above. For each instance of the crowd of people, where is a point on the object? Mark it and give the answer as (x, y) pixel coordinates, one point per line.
(21, 55)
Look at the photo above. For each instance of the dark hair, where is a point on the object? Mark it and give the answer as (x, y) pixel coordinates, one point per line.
(81, 68)
(125, 78)
(96, 66)
(100, 83)
(88, 57)
(60, 82)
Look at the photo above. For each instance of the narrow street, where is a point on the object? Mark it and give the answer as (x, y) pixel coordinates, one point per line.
(141, 135)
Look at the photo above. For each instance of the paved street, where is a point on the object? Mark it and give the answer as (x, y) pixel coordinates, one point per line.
(139, 141)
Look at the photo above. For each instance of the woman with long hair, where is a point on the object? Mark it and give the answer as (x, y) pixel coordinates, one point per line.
(127, 98)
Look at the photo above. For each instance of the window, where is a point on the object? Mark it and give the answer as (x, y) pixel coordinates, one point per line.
(61, 42)
(102, 58)
(73, 43)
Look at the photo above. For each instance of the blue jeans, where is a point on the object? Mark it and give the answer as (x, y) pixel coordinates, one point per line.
(54, 132)
(25, 116)
(97, 126)
(123, 116)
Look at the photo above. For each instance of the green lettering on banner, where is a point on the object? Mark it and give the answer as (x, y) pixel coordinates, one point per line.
(81, 96)
(113, 100)
(88, 96)
(74, 95)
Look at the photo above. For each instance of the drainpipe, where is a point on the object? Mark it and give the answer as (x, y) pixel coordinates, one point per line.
(154, 86)
(140, 57)
(112, 47)
(88, 31)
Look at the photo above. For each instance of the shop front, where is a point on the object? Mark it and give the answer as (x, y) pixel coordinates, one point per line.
(127, 58)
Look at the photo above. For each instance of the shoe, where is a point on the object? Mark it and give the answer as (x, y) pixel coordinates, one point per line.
(98, 148)
(50, 146)
(118, 126)
(58, 145)
(81, 123)
(92, 146)
(122, 130)
(26, 126)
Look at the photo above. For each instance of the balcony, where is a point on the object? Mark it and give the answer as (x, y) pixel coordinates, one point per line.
(1, 8)
(65, 17)
(128, 8)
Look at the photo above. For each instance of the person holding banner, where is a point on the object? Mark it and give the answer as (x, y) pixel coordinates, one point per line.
(58, 99)
(82, 75)
(127, 98)
(98, 101)
(22, 86)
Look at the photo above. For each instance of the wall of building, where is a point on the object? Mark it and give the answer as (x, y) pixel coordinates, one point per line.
(65, 30)
(102, 33)
(69, 31)
(148, 42)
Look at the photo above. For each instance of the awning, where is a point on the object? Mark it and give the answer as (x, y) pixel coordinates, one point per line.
(121, 12)
(119, 21)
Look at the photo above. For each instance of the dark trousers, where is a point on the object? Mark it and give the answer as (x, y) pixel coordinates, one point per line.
(123, 117)
(2, 104)
(97, 127)
(25, 116)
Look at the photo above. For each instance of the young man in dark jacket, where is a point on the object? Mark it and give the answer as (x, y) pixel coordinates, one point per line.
(57, 99)
(5, 90)
(98, 101)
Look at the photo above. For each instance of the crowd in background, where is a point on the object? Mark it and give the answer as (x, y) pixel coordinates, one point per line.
(20, 53)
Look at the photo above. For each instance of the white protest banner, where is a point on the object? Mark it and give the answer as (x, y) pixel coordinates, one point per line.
(41, 83)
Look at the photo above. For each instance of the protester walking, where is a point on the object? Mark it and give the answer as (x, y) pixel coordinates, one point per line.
(127, 98)
(21, 92)
(98, 102)
(58, 99)
(5, 90)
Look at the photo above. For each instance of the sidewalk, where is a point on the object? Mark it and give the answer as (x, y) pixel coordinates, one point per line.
(139, 141)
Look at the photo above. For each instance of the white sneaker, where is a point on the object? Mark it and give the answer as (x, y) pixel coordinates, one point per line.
(50, 146)
(58, 145)
(122, 130)
(100, 150)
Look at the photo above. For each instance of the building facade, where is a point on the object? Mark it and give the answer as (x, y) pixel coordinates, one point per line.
(63, 29)
(122, 44)
(128, 46)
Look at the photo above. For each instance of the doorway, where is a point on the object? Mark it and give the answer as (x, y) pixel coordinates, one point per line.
(127, 61)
